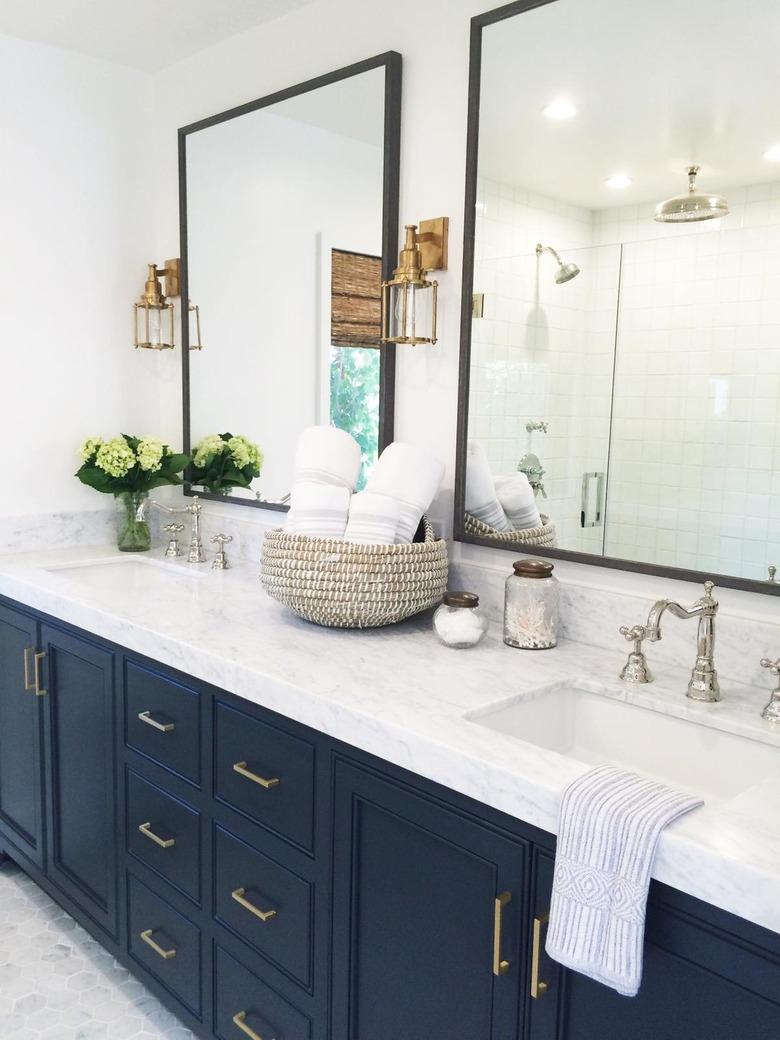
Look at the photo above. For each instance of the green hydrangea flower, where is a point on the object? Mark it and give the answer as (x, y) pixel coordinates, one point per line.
(115, 457)
(206, 449)
(244, 452)
(90, 448)
(150, 454)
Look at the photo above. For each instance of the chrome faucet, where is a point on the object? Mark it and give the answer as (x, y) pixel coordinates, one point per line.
(771, 712)
(196, 553)
(704, 684)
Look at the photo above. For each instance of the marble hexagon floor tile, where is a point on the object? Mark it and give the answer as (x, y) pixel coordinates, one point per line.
(58, 983)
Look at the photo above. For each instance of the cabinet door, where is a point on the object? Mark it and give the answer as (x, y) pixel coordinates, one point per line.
(418, 930)
(81, 773)
(21, 810)
(700, 981)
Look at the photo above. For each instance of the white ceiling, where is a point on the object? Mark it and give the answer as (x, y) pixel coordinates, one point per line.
(658, 85)
(145, 34)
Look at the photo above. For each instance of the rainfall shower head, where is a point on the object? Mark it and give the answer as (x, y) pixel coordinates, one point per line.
(565, 272)
(693, 205)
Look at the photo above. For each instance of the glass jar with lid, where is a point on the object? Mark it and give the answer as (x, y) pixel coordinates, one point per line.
(459, 622)
(531, 606)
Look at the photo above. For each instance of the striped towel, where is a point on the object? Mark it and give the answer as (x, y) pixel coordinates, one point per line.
(608, 829)
(318, 510)
(373, 519)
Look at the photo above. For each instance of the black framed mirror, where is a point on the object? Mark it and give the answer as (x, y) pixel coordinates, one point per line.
(620, 335)
(289, 224)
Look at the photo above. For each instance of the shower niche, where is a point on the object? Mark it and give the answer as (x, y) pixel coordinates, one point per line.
(623, 243)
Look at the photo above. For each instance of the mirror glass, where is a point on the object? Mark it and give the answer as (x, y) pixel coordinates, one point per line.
(628, 366)
(284, 233)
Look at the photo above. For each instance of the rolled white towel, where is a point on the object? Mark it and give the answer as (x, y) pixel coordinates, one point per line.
(481, 500)
(373, 519)
(518, 501)
(327, 455)
(318, 510)
(412, 476)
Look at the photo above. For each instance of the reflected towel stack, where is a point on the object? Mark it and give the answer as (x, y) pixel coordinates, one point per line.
(518, 501)
(481, 499)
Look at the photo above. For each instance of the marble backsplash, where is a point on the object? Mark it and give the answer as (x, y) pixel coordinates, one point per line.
(41, 531)
(747, 625)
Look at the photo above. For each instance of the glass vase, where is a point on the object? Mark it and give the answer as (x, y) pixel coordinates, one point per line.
(132, 529)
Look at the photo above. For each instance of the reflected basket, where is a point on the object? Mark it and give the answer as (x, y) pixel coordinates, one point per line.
(345, 585)
(540, 537)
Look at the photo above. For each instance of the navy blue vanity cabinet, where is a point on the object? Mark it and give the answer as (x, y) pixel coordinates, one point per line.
(80, 768)
(428, 917)
(21, 806)
(707, 976)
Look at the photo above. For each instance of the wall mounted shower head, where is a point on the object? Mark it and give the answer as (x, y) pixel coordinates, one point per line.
(565, 272)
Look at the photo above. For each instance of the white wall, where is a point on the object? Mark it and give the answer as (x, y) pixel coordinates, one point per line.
(74, 181)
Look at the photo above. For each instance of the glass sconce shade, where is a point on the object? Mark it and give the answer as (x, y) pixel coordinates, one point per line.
(154, 326)
(194, 319)
(409, 299)
(409, 311)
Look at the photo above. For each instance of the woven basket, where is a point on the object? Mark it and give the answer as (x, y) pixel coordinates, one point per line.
(345, 585)
(539, 536)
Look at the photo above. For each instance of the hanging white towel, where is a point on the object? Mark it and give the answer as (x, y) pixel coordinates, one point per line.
(327, 455)
(410, 475)
(517, 499)
(373, 519)
(481, 500)
(609, 826)
(318, 510)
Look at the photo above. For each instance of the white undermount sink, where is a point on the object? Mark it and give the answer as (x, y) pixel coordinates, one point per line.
(599, 730)
(136, 574)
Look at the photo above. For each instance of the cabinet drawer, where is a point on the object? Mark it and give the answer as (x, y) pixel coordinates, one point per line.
(164, 833)
(247, 1007)
(264, 904)
(162, 721)
(266, 774)
(165, 943)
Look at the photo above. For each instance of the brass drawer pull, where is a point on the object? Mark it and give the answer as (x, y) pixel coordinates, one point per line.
(29, 686)
(500, 967)
(240, 897)
(241, 769)
(37, 673)
(163, 727)
(164, 843)
(538, 988)
(147, 938)
(239, 1021)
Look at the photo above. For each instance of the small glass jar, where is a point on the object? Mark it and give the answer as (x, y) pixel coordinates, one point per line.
(531, 606)
(459, 622)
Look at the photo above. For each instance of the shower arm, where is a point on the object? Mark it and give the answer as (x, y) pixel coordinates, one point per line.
(549, 249)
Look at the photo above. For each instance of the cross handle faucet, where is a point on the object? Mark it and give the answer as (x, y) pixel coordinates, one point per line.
(771, 712)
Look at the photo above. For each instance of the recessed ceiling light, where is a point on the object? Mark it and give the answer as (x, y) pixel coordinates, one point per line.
(618, 180)
(561, 108)
(773, 154)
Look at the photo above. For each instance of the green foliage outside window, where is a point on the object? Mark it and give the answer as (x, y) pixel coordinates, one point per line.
(354, 400)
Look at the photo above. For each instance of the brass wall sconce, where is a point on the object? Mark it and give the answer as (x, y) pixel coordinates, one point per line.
(154, 317)
(409, 300)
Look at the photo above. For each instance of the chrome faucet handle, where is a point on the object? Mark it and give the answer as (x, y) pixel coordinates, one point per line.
(221, 561)
(173, 551)
(771, 712)
(636, 669)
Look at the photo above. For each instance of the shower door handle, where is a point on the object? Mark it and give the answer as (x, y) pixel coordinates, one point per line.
(592, 502)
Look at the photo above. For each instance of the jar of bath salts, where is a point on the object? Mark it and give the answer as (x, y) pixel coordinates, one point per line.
(531, 606)
(459, 622)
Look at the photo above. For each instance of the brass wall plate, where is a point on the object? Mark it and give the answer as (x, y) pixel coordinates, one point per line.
(478, 305)
(172, 274)
(432, 238)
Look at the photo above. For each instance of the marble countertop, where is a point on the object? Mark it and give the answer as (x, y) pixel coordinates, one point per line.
(398, 694)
